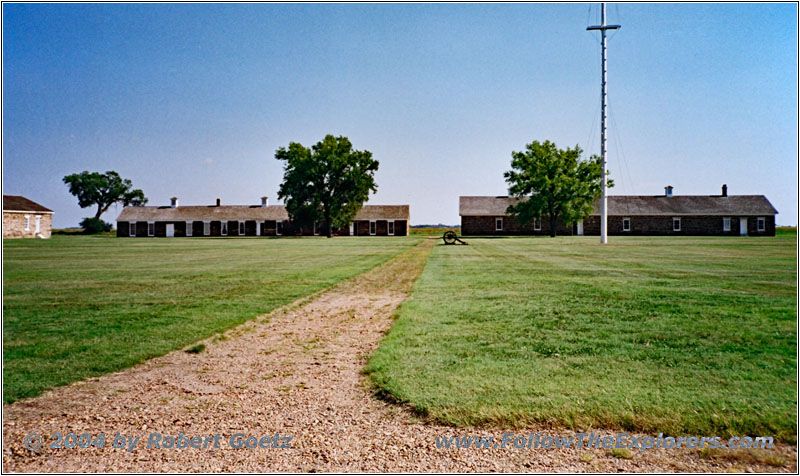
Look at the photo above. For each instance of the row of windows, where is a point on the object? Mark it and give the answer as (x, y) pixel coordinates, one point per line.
(151, 228)
(676, 224)
(207, 228)
(626, 224)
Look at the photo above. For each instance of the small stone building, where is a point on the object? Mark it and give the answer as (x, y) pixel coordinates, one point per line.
(24, 218)
(668, 214)
(250, 220)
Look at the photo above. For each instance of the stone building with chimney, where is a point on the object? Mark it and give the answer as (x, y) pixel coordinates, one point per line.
(667, 214)
(250, 220)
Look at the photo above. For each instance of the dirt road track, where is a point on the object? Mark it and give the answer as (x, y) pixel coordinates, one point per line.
(296, 372)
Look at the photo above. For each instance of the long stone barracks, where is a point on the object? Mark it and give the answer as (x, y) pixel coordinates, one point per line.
(250, 220)
(668, 214)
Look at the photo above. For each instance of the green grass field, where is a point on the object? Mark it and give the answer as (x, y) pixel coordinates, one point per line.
(80, 306)
(684, 335)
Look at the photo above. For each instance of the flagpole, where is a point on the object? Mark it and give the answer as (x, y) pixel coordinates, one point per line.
(603, 118)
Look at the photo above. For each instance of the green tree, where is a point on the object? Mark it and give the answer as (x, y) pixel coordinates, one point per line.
(554, 183)
(103, 190)
(327, 183)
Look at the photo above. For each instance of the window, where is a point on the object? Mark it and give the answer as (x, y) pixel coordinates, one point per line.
(626, 224)
(151, 229)
(188, 228)
(241, 228)
(498, 224)
(132, 228)
(726, 224)
(762, 224)
(278, 227)
(537, 224)
(372, 228)
(676, 224)
(391, 228)
(27, 223)
(38, 224)
(224, 226)
(206, 228)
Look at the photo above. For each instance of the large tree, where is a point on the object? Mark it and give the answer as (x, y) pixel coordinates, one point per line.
(327, 183)
(103, 190)
(553, 183)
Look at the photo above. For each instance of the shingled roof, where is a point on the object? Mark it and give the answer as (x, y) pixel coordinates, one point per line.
(246, 212)
(631, 205)
(688, 205)
(383, 212)
(199, 213)
(18, 203)
(485, 206)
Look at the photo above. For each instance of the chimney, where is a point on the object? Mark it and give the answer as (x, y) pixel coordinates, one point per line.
(668, 191)
(219, 202)
(173, 202)
(724, 190)
(264, 201)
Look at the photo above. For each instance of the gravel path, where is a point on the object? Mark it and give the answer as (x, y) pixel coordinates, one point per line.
(296, 373)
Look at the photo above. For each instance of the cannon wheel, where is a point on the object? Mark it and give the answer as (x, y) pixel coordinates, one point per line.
(450, 237)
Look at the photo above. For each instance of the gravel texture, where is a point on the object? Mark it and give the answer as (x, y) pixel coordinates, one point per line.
(297, 373)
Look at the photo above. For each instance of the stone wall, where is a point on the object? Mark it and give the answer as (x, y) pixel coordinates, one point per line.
(486, 225)
(692, 225)
(14, 225)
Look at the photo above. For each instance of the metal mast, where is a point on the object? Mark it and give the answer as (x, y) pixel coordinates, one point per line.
(603, 116)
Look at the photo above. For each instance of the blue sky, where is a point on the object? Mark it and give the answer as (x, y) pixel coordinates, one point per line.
(193, 100)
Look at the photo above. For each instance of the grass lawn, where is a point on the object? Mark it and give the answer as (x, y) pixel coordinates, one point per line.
(80, 306)
(693, 336)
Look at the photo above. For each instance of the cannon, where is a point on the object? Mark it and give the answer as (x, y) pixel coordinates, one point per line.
(450, 238)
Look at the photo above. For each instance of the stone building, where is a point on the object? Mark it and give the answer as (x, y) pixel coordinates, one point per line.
(250, 220)
(23, 218)
(668, 214)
